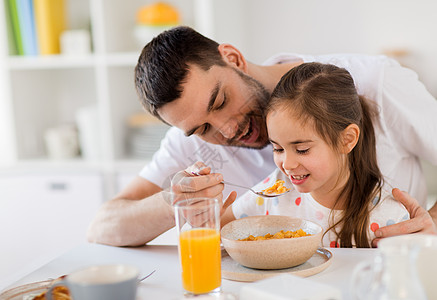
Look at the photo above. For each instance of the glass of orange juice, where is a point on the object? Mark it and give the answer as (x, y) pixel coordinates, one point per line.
(198, 224)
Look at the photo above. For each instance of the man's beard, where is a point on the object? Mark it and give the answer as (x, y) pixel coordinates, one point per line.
(258, 102)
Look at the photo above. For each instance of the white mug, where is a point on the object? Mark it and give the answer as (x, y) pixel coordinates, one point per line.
(427, 263)
(62, 142)
(109, 282)
(404, 269)
(75, 42)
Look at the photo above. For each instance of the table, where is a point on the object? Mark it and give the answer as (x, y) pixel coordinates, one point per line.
(166, 283)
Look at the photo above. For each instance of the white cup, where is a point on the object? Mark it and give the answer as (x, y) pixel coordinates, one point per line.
(109, 282)
(87, 120)
(75, 42)
(427, 262)
(62, 142)
(405, 268)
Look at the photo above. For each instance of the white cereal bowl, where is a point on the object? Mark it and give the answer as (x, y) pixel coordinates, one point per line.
(271, 253)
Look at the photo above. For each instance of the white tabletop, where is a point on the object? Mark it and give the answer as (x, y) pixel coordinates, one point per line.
(166, 283)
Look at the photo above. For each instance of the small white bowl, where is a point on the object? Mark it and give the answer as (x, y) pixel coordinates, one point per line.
(271, 253)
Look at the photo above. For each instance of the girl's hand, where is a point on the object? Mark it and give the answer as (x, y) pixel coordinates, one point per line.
(420, 220)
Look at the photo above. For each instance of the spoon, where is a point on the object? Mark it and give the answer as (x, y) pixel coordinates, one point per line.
(247, 188)
(147, 275)
(255, 192)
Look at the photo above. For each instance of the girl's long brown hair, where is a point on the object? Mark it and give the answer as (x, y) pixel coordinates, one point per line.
(326, 95)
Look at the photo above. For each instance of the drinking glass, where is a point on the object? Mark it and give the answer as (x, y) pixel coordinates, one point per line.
(198, 227)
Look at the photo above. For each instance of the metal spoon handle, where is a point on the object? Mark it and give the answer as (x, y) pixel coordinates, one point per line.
(255, 192)
(244, 187)
(247, 188)
(147, 275)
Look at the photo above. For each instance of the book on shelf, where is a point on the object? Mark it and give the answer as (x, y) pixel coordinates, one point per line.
(27, 26)
(12, 17)
(36, 25)
(50, 19)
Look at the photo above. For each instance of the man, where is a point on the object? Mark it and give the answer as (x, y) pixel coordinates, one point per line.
(214, 98)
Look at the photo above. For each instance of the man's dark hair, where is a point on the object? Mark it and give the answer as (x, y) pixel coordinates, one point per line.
(163, 65)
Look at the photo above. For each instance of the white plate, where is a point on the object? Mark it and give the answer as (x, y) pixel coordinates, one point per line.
(234, 271)
(31, 289)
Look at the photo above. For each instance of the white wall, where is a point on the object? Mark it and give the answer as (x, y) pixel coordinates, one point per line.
(261, 28)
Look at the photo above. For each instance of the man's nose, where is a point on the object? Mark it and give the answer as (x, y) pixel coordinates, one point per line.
(229, 128)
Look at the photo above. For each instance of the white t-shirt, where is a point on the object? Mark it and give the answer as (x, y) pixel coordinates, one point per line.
(386, 211)
(407, 130)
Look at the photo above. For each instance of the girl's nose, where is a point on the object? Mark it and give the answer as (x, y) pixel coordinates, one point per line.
(289, 162)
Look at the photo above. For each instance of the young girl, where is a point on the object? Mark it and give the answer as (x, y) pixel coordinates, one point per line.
(324, 146)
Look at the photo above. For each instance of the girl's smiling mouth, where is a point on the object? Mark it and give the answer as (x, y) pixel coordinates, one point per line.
(298, 179)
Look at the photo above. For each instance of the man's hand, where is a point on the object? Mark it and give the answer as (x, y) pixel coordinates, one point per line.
(420, 219)
(197, 181)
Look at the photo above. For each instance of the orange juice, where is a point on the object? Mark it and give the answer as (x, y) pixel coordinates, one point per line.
(199, 250)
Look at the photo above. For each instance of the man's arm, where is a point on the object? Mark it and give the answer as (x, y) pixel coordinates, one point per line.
(421, 221)
(142, 211)
(134, 217)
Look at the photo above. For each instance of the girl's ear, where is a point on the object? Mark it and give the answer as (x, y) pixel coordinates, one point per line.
(349, 137)
(233, 56)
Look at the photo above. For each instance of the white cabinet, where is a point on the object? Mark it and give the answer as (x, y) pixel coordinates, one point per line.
(43, 214)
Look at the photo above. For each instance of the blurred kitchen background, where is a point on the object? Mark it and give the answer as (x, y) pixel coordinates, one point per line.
(72, 130)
